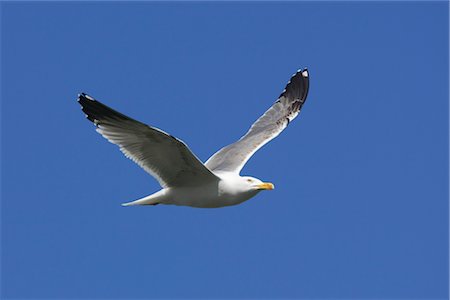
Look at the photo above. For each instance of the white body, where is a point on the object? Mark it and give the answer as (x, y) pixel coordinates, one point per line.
(224, 192)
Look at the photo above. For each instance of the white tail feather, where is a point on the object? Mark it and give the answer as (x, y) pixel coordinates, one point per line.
(152, 199)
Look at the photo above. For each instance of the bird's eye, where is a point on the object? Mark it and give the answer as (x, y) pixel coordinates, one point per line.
(249, 180)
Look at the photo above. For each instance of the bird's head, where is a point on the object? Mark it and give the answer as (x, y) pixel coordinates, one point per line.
(254, 184)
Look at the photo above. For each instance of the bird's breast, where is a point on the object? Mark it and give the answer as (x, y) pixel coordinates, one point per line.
(209, 196)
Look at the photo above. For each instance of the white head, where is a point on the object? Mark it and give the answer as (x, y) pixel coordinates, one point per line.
(236, 189)
(254, 184)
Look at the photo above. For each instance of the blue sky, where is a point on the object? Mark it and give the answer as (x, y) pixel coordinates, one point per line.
(360, 208)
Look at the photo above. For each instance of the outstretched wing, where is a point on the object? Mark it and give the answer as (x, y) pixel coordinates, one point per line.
(165, 157)
(233, 157)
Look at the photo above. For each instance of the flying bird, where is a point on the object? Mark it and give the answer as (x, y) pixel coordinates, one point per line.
(184, 179)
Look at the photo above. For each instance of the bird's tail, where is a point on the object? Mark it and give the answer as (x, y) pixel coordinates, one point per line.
(152, 199)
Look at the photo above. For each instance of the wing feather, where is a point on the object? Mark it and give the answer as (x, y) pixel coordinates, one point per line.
(232, 158)
(165, 157)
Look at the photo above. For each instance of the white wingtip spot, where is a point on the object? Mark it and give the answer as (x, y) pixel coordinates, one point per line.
(89, 97)
(305, 73)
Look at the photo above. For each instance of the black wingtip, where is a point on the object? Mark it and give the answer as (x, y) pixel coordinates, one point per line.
(84, 100)
(298, 85)
(84, 97)
(96, 111)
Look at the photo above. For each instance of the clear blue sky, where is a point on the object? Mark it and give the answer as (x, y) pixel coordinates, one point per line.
(360, 208)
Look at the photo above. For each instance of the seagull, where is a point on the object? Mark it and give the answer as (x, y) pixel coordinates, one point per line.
(184, 179)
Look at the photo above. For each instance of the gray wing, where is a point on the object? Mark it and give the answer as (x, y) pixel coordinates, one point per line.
(232, 158)
(165, 157)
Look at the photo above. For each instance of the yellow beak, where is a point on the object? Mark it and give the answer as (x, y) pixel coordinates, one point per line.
(265, 186)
